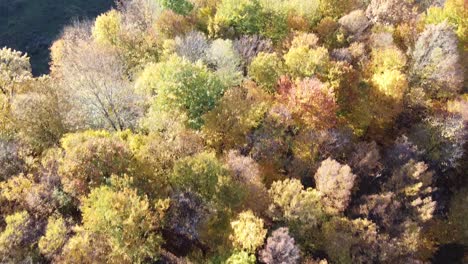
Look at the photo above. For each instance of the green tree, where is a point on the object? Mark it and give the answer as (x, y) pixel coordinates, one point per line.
(302, 61)
(199, 174)
(244, 17)
(183, 86)
(181, 7)
(266, 70)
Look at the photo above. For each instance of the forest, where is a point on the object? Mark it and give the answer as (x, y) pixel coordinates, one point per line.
(240, 132)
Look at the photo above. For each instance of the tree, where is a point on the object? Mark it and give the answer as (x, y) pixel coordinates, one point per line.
(335, 182)
(183, 86)
(245, 171)
(351, 241)
(107, 27)
(11, 161)
(280, 248)
(193, 46)
(15, 69)
(241, 257)
(248, 47)
(312, 102)
(355, 22)
(238, 112)
(244, 17)
(97, 89)
(54, 238)
(303, 61)
(436, 63)
(298, 206)
(454, 12)
(38, 115)
(390, 11)
(185, 215)
(125, 221)
(226, 62)
(441, 138)
(181, 7)
(266, 70)
(199, 174)
(14, 238)
(90, 158)
(248, 232)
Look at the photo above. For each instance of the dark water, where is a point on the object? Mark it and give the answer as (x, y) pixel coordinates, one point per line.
(32, 25)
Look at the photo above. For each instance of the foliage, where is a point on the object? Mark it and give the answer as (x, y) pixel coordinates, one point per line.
(55, 236)
(11, 162)
(15, 70)
(192, 46)
(453, 12)
(436, 64)
(181, 85)
(240, 110)
(248, 232)
(241, 257)
(222, 57)
(244, 17)
(125, 221)
(303, 61)
(390, 11)
(295, 203)
(90, 159)
(207, 131)
(335, 182)
(312, 102)
(280, 248)
(182, 7)
(266, 69)
(14, 236)
(107, 27)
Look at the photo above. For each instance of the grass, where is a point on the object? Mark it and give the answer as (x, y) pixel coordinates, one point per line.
(32, 25)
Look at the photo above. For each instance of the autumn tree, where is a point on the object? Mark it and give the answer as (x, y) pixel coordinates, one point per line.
(55, 236)
(436, 63)
(238, 112)
(280, 248)
(312, 102)
(90, 158)
(133, 234)
(290, 201)
(248, 232)
(335, 181)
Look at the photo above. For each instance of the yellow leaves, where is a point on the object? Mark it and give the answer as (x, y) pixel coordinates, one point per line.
(248, 232)
(15, 189)
(107, 27)
(54, 237)
(391, 83)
